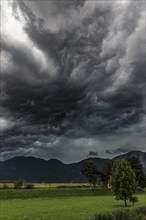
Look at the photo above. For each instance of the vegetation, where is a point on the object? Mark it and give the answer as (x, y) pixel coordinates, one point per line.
(29, 186)
(136, 166)
(18, 185)
(138, 170)
(56, 203)
(75, 201)
(123, 180)
(50, 185)
(52, 193)
(106, 172)
(5, 186)
(128, 214)
(90, 171)
(133, 199)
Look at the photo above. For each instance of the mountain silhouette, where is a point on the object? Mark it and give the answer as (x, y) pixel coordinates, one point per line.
(53, 170)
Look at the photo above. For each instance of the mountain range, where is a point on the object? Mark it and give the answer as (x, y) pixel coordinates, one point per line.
(53, 170)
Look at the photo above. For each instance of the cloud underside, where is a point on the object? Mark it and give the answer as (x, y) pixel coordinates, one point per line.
(122, 149)
(76, 70)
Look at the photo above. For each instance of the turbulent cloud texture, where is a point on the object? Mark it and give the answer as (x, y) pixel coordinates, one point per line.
(73, 77)
(122, 149)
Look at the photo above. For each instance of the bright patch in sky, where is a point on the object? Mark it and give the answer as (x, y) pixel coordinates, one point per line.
(10, 26)
(5, 124)
(12, 30)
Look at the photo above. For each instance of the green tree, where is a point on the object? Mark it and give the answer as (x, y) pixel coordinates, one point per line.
(138, 170)
(106, 171)
(90, 171)
(123, 180)
(18, 185)
(29, 186)
(5, 186)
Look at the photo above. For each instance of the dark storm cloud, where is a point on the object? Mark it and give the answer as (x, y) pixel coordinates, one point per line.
(122, 149)
(93, 153)
(109, 152)
(72, 78)
(65, 5)
(61, 98)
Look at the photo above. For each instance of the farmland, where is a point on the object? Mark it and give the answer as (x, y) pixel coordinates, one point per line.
(54, 203)
(49, 185)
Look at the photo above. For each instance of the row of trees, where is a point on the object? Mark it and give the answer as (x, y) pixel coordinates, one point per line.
(135, 165)
(19, 185)
(123, 175)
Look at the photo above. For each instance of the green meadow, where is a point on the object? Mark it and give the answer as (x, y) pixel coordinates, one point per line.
(59, 203)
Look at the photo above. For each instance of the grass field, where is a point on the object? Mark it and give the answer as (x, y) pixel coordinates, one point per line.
(58, 204)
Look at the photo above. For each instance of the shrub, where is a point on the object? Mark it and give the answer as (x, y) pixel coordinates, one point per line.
(18, 185)
(128, 214)
(29, 186)
(5, 186)
(62, 186)
(133, 199)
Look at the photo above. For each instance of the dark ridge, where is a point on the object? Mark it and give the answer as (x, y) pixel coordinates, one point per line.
(53, 170)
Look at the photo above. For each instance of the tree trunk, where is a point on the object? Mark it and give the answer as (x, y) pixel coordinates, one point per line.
(125, 202)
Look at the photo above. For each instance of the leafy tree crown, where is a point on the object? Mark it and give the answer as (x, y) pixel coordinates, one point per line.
(123, 180)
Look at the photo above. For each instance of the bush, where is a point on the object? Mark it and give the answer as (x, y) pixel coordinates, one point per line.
(5, 186)
(18, 185)
(139, 189)
(133, 199)
(128, 214)
(29, 186)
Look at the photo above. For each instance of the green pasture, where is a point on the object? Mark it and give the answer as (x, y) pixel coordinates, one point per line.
(52, 193)
(59, 203)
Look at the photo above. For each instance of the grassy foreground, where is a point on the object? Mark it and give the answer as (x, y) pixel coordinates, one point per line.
(58, 204)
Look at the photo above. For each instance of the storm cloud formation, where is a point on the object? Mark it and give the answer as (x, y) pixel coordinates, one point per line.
(73, 77)
(93, 153)
(121, 149)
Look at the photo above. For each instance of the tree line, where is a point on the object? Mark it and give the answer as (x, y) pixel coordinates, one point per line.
(124, 176)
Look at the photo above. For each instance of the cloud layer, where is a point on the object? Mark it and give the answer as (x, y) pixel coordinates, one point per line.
(73, 76)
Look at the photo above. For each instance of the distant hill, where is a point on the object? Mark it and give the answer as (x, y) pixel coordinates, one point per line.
(36, 169)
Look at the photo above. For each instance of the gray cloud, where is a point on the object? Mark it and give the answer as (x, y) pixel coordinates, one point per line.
(109, 152)
(78, 74)
(93, 153)
(122, 149)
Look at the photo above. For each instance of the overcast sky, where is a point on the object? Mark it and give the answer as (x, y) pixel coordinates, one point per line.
(72, 83)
